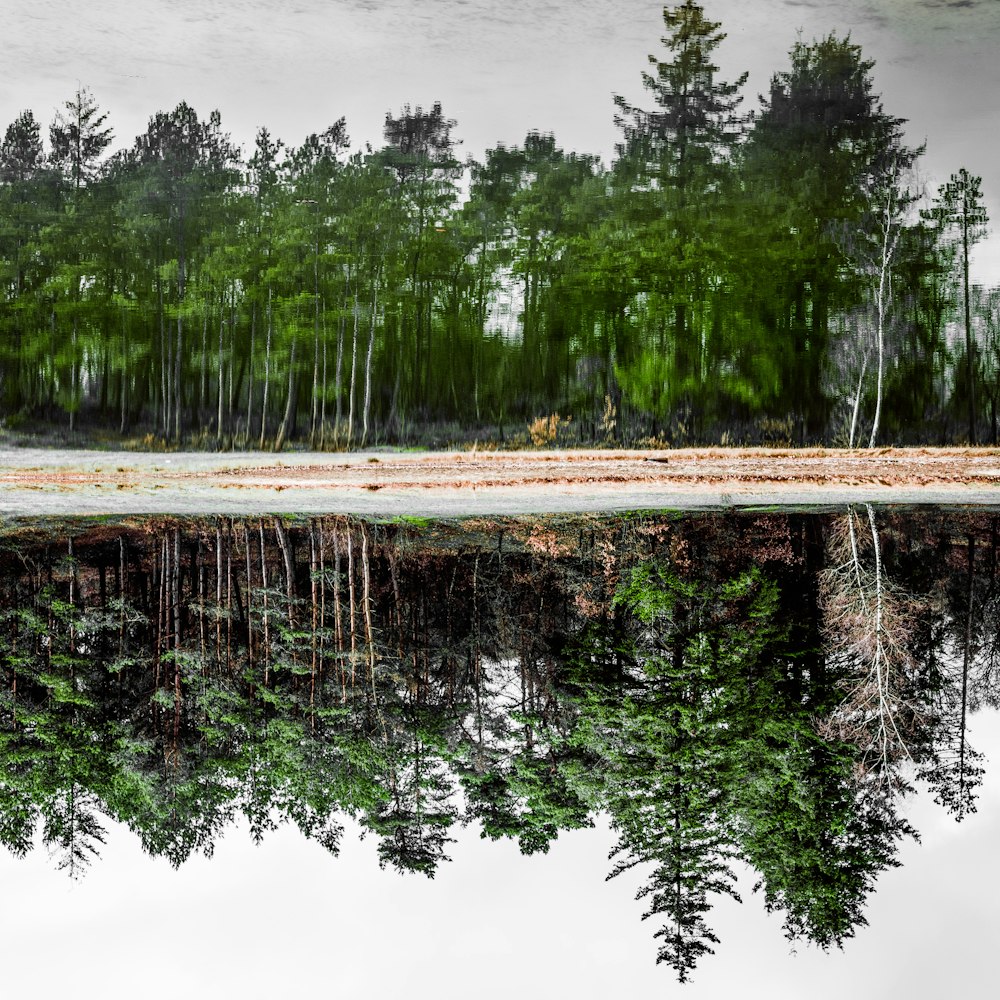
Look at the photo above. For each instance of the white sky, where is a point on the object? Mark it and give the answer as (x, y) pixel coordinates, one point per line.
(284, 919)
(500, 69)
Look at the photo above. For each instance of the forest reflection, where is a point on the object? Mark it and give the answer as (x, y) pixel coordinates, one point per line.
(764, 688)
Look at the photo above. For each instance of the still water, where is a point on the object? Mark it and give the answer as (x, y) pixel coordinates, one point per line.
(758, 707)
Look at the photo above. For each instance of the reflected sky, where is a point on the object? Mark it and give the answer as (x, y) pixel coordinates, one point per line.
(285, 917)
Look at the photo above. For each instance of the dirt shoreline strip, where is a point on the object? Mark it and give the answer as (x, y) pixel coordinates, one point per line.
(38, 482)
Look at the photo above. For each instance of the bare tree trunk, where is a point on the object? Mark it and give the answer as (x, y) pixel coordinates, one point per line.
(202, 640)
(354, 368)
(286, 555)
(267, 632)
(880, 306)
(267, 373)
(337, 611)
(290, 403)
(970, 350)
(218, 594)
(218, 423)
(230, 423)
(322, 597)
(203, 368)
(314, 420)
(888, 249)
(369, 632)
(246, 552)
(161, 623)
(180, 348)
(229, 597)
(967, 654)
(339, 376)
(123, 395)
(250, 379)
(177, 637)
(72, 596)
(122, 590)
(322, 417)
(350, 584)
(368, 370)
(72, 382)
(857, 402)
(314, 623)
(164, 360)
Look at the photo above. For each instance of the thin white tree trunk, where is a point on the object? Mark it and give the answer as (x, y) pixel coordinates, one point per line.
(888, 250)
(857, 402)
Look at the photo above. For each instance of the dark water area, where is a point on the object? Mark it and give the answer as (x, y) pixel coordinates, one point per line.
(721, 692)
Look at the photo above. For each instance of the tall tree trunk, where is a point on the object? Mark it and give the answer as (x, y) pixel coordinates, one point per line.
(267, 624)
(857, 402)
(322, 415)
(970, 351)
(339, 377)
(218, 417)
(967, 655)
(180, 344)
(123, 394)
(267, 373)
(164, 359)
(203, 381)
(368, 369)
(288, 421)
(315, 382)
(354, 369)
(253, 338)
(888, 249)
(72, 382)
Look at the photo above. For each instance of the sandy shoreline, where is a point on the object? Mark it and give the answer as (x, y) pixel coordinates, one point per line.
(39, 482)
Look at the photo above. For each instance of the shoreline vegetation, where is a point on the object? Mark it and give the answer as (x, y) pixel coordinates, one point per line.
(736, 275)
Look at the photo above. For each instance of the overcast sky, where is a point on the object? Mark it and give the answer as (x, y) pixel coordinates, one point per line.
(500, 69)
(286, 920)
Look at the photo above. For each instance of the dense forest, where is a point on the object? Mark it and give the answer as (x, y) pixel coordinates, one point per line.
(736, 275)
(757, 688)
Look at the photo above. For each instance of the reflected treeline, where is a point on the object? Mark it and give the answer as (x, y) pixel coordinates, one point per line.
(763, 688)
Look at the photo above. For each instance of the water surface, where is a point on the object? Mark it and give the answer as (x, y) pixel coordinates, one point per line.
(720, 695)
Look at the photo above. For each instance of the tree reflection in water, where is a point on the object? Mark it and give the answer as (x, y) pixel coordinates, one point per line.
(723, 688)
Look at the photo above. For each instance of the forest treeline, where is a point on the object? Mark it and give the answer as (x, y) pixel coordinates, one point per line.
(757, 688)
(735, 275)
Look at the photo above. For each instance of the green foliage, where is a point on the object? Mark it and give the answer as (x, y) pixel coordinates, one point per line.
(715, 278)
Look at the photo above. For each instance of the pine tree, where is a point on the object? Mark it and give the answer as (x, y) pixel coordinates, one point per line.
(674, 158)
(959, 210)
(79, 137)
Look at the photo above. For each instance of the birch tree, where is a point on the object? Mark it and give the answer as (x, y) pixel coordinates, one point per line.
(888, 200)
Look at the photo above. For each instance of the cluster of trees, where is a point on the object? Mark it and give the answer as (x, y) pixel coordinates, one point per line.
(707, 683)
(731, 276)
